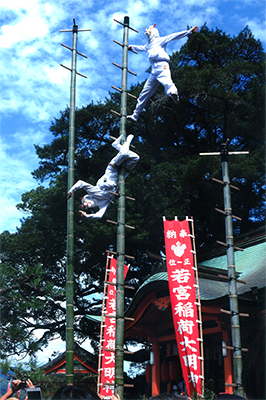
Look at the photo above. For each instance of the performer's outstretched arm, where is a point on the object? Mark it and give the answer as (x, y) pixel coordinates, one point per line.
(102, 208)
(177, 35)
(79, 185)
(133, 47)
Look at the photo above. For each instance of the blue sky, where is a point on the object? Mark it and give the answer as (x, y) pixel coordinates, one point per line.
(35, 88)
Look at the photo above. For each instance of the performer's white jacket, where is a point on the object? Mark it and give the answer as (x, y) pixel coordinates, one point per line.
(156, 47)
(160, 73)
(109, 181)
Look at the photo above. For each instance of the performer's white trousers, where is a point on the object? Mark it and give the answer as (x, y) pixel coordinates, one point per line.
(125, 155)
(158, 75)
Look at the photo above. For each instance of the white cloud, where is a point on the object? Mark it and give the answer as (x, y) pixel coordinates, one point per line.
(55, 74)
(9, 215)
(56, 346)
(240, 3)
(15, 173)
(28, 23)
(256, 26)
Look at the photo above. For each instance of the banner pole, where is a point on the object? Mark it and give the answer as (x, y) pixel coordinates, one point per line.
(199, 303)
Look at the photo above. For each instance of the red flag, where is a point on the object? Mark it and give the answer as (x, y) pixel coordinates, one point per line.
(181, 279)
(108, 353)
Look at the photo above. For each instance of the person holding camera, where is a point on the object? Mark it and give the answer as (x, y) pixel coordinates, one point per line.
(16, 385)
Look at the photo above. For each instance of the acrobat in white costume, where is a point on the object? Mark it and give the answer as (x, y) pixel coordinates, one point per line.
(159, 60)
(99, 196)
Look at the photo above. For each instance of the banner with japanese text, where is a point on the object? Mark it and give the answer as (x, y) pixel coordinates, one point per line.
(108, 347)
(181, 279)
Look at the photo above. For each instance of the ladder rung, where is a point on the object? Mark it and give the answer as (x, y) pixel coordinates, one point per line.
(129, 287)
(129, 27)
(116, 113)
(116, 223)
(66, 67)
(230, 313)
(83, 76)
(117, 65)
(133, 73)
(238, 248)
(224, 183)
(119, 90)
(111, 251)
(120, 44)
(114, 252)
(228, 279)
(131, 95)
(232, 348)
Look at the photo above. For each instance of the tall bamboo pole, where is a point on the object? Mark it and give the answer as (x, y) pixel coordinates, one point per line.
(233, 299)
(70, 220)
(119, 359)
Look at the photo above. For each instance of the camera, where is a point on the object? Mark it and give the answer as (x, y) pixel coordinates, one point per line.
(22, 385)
(34, 393)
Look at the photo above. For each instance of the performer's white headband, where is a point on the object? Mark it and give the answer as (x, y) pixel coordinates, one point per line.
(151, 32)
(87, 202)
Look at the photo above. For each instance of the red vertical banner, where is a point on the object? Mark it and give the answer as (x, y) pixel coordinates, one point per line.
(108, 348)
(181, 279)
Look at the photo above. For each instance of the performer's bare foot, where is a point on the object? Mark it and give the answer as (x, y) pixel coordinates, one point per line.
(69, 195)
(132, 118)
(116, 144)
(129, 139)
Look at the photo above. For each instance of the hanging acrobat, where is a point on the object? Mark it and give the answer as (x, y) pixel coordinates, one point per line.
(99, 196)
(159, 60)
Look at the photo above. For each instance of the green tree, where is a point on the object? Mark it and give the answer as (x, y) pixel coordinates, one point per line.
(221, 84)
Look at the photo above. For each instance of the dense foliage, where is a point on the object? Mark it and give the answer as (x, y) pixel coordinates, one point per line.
(221, 86)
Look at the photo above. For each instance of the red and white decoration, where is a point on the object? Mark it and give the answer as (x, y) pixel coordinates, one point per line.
(181, 278)
(108, 348)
